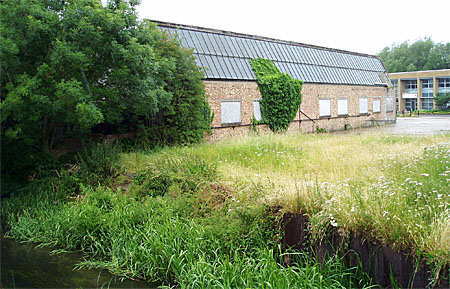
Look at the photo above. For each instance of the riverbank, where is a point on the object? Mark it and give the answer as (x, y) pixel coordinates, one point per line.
(203, 217)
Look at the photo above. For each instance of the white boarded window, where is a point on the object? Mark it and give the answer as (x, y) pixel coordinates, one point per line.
(342, 106)
(324, 107)
(256, 110)
(376, 105)
(363, 105)
(390, 104)
(230, 111)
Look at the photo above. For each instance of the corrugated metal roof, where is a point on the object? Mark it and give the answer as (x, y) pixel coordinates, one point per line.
(226, 55)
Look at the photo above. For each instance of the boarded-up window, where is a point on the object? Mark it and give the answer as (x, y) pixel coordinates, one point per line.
(324, 107)
(256, 110)
(363, 105)
(342, 106)
(376, 105)
(390, 104)
(230, 111)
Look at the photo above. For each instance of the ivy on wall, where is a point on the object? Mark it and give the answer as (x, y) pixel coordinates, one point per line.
(281, 94)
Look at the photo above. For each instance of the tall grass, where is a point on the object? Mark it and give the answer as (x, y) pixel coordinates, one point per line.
(407, 207)
(394, 188)
(196, 217)
(152, 238)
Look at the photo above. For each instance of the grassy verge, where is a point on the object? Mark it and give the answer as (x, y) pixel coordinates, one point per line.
(442, 112)
(422, 112)
(198, 216)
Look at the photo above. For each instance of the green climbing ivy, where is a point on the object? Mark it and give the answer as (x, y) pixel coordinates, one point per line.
(281, 94)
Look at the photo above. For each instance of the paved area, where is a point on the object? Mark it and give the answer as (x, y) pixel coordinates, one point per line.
(423, 125)
(420, 125)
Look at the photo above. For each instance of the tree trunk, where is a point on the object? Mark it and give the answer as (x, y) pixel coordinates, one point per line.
(45, 136)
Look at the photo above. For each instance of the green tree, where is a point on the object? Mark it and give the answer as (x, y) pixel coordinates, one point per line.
(421, 55)
(188, 116)
(442, 100)
(68, 65)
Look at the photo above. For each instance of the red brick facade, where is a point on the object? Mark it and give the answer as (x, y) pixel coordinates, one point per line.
(247, 91)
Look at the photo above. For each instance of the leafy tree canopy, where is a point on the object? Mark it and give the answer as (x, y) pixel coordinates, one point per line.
(420, 55)
(67, 65)
(442, 100)
(70, 66)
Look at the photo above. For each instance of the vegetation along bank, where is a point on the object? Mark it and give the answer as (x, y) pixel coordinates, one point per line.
(203, 217)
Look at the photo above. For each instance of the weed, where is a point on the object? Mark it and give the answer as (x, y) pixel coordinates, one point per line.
(99, 162)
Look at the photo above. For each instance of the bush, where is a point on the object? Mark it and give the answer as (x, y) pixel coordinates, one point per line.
(443, 100)
(99, 162)
(186, 174)
(188, 117)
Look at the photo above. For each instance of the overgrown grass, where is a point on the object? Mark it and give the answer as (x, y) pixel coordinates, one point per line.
(172, 239)
(374, 183)
(197, 217)
(407, 207)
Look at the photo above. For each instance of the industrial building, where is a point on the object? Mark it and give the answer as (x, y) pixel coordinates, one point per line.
(341, 89)
(416, 90)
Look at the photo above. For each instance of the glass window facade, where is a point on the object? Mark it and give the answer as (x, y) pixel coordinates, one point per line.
(427, 88)
(410, 86)
(410, 104)
(444, 85)
(427, 104)
(427, 83)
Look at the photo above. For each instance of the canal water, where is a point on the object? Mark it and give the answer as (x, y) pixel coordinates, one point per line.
(25, 266)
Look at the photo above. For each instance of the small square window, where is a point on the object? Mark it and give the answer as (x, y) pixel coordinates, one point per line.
(230, 112)
(324, 107)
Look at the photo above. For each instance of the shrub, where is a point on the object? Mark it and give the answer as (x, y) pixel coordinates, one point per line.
(188, 117)
(443, 100)
(179, 174)
(99, 162)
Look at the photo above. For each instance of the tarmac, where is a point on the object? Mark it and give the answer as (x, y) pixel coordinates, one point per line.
(422, 125)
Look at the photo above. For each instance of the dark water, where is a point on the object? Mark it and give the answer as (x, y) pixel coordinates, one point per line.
(25, 266)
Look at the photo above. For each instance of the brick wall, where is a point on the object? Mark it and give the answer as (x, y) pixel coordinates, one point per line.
(247, 91)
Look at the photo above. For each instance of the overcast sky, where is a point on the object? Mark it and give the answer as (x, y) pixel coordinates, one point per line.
(355, 25)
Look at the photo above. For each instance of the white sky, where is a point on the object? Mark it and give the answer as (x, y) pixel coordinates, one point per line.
(355, 25)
